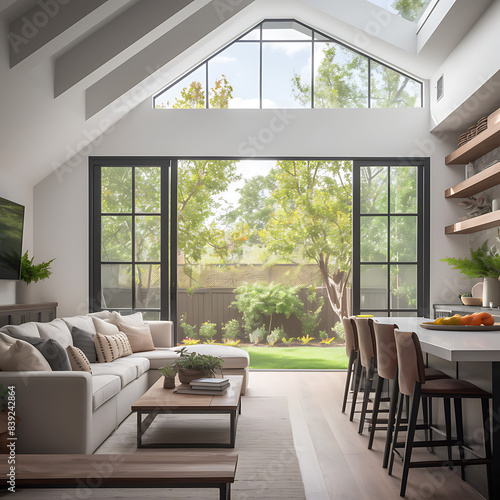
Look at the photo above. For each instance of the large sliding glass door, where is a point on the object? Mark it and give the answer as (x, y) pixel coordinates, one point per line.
(130, 235)
(390, 238)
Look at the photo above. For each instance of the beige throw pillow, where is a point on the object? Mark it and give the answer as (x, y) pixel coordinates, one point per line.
(20, 356)
(78, 360)
(108, 347)
(139, 337)
(135, 319)
(125, 347)
(104, 327)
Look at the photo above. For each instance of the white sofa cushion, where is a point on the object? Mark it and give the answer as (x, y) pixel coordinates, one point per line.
(57, 330)
(135, 319)
(26, 329)
(104, 387)
(127, 369)
(104, 327)
(83, 322)
(234, 357)
(158, 358)
(100, 314)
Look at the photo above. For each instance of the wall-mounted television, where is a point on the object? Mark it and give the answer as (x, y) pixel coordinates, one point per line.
(11, 239)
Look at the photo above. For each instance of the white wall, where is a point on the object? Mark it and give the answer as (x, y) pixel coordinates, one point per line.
(473, 67)
(61, 200)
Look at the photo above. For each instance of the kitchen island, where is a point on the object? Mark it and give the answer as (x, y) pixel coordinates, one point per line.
(472, 356)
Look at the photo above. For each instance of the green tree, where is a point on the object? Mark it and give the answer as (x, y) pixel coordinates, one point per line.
(312, 221)
(410, 9)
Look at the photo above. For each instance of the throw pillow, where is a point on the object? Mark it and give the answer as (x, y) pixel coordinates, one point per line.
(135, 319)
(57, 330)
(100, 314)
(104, 327)
(50, 349)
(139, 337)
(78, 360)
(21, 356)
(108, 347)
(84, 340)
(125, 347)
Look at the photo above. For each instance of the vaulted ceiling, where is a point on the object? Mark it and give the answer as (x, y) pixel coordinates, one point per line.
(70, 69)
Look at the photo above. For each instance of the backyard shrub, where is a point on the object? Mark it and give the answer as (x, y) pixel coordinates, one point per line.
(323, 335)
(256, 300)
(338, 329)
(231, 330)
(208, 330)
(310, 319)
(306, 339)
(275, 335)
(257, 336)
(189, 331)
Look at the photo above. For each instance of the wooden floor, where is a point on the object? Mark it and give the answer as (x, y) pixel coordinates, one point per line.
(334, 460)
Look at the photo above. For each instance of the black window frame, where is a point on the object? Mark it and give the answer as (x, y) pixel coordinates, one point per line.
(423, 234)
(314, 33)
(168, 260)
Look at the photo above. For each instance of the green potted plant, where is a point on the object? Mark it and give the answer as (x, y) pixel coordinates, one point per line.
(484, 263)
(191, 366)
(169, 373)
(34, 272)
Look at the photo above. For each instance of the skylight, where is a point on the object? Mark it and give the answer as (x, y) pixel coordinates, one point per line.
(411, 10)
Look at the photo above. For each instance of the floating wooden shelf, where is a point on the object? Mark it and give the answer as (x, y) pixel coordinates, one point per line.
(483, 180)
(486, 221)
(483, 143)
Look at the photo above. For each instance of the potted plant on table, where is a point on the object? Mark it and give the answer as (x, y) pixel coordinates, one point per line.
(191, 366)
(484, 263)
(169, 373)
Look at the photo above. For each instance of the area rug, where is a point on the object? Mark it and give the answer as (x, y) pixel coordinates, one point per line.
(267, 462)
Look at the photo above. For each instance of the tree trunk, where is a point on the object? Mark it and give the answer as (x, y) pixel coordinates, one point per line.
(335, 289)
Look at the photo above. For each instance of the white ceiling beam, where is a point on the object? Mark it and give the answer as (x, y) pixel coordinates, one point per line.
(44, 22)
(140, 67)
(111, 39)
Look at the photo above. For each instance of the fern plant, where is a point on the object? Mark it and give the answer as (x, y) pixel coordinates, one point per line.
(34, 272)
(483, 263)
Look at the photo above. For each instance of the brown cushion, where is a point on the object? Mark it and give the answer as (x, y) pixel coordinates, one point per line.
(139, 337)
(20, 356)
(452, 386)
(108, 347)
(78, 360)
(433, 374)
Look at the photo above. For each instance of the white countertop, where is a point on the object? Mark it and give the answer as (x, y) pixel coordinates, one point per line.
(451, 345)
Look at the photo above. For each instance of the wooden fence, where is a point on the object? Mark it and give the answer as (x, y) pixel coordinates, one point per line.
(213, 305)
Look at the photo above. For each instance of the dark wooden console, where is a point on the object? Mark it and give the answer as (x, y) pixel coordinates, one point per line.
(17, 314)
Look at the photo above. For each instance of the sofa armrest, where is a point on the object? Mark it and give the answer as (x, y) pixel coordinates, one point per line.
(162, 333)
(55, 411)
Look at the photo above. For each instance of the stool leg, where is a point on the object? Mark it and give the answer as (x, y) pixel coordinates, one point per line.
(457, 402)
(485, 406)
(352, 358)
(447, 419)
(401, 399)
(357, 378)
(431, 449)
(425, 414)
(390, 421)
(366, 397)
(412, 423)
(376, 405)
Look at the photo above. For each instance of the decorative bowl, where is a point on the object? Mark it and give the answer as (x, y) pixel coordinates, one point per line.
(472, 301)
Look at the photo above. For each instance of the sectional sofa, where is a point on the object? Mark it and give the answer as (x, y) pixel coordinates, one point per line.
(75, 411)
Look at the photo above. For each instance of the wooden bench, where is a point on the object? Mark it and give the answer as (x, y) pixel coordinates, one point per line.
(136, 470)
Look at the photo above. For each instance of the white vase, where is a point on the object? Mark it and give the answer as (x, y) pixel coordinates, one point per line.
(491, 292)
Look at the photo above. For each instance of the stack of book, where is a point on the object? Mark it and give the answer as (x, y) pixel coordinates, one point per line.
(205, 386)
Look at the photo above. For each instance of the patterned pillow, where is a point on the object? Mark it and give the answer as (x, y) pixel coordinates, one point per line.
(108, 347)
(78, 360)
(125, 347)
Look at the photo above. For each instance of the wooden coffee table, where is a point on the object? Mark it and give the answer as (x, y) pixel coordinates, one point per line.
(158, 400)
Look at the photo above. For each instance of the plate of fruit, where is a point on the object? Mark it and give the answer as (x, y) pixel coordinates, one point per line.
(471, 322)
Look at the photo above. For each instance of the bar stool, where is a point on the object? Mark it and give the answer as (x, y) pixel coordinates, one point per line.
(387, 367)
(352, 349)
(412, 382)
(367, 357)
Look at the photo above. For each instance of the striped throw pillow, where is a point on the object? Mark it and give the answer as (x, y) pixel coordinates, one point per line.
(78, 360)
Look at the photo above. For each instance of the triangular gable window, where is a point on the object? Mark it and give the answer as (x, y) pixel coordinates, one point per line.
(286, 64)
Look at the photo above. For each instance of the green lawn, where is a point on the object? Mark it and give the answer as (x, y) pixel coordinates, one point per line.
(306, 357)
